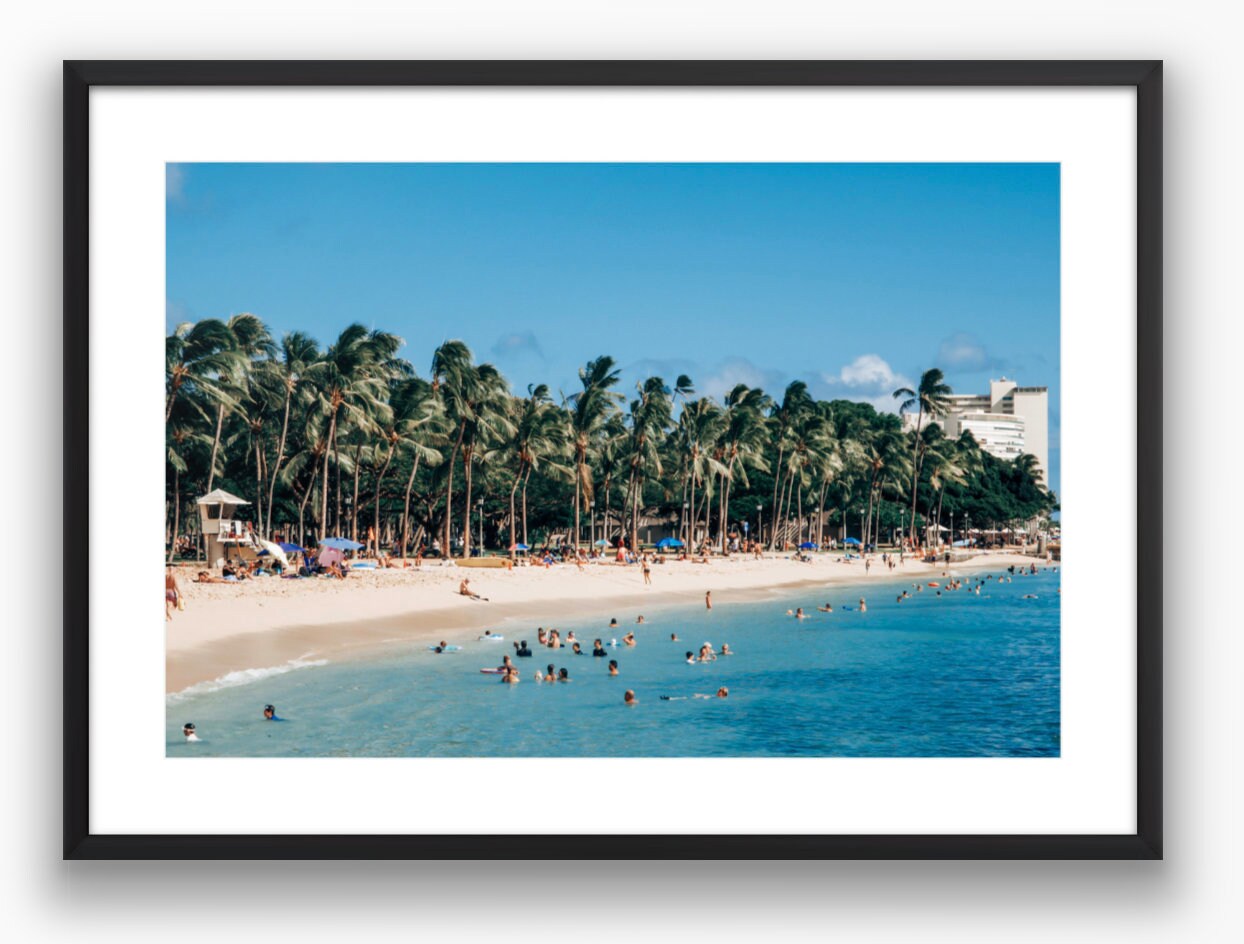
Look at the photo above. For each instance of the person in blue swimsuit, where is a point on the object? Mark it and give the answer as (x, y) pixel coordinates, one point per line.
(269, 714)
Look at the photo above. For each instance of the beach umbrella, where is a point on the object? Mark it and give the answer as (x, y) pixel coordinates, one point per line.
(330, 555)
(669, 542)
(340, 544)
(277, 552)
(851, 541)
(602, 543)
(808, 546)
(519, 547)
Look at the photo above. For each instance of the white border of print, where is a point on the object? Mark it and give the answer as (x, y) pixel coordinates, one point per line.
(1090, 788)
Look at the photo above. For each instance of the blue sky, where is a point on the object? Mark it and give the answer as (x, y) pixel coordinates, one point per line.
(853, 277)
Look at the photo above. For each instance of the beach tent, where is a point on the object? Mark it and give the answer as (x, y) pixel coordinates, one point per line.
(340, 544)
(851, 541)
(809, 546)
(964, 543)
(669, 542)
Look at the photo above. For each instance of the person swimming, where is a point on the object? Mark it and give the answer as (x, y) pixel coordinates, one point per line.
(673, 637)
(269, 713)
(690, 658)
(629, 639)
(863, 606)
(550, 674)
(511, 676)
(523, 651)
(639, 619)
(799, 613)
(188, 731)
(725, 649)
(827, 608)
(577, 649)
(598, 649)
(563, 676)
(629, 698)
(613, 666)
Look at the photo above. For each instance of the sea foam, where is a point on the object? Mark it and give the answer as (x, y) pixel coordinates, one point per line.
(243, 677)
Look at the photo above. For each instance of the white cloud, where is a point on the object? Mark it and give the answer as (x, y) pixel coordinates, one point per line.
(867, 379)
(869, 370)
(739, 370)
(963, 351)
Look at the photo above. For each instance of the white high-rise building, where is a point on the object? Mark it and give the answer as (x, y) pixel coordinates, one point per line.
(1008, 421)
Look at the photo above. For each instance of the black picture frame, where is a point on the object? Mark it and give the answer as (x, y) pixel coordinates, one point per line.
(1145, 76)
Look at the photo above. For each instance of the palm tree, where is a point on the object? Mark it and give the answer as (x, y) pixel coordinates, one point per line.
(795, 401)
(699, 427)
(539, 434)
(743, 442)
(931, 397)
(414, 427)
(650, 414)
(348, 380)
(451, 365)
(298, 352)
(590, 409)
(195, 356)
(485, 422)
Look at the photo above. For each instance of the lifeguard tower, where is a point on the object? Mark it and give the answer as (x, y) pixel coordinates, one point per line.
(225, 536)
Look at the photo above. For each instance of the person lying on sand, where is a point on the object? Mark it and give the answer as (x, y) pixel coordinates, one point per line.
(204, 577)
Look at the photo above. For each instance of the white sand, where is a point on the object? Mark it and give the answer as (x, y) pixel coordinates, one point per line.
(267, 621)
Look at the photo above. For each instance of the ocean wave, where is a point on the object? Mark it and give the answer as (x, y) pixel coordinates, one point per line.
(244, 677)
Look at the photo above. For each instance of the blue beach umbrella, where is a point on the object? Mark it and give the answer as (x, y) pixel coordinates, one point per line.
(520, 547)
(851, 541)
(602, 543)
(808, 546)
(669, 542)
(340, 544)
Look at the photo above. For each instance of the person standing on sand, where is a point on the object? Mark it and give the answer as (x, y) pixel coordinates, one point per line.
(708, 599)
(172, 593)
(647, 572)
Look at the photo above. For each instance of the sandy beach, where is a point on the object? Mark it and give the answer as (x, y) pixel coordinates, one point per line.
(269, 621)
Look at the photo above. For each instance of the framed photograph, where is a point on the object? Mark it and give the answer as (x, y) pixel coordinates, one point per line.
(642, 459)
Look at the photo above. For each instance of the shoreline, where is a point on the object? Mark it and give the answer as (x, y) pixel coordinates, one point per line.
(267, 623)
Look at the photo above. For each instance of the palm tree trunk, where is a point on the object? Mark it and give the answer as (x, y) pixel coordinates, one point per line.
(332, 431)
(466, 513)
(172, 547)
(514, 521)
(337, 464)
(280, 457)
(526, 477)
(773, 506)
(915, 472)
(259, 487)
(578, 473)
(354, 503)
(410, 484)
(449, 489)
(376, 494)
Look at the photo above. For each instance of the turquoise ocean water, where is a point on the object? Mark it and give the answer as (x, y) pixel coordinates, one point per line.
(951, 676)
